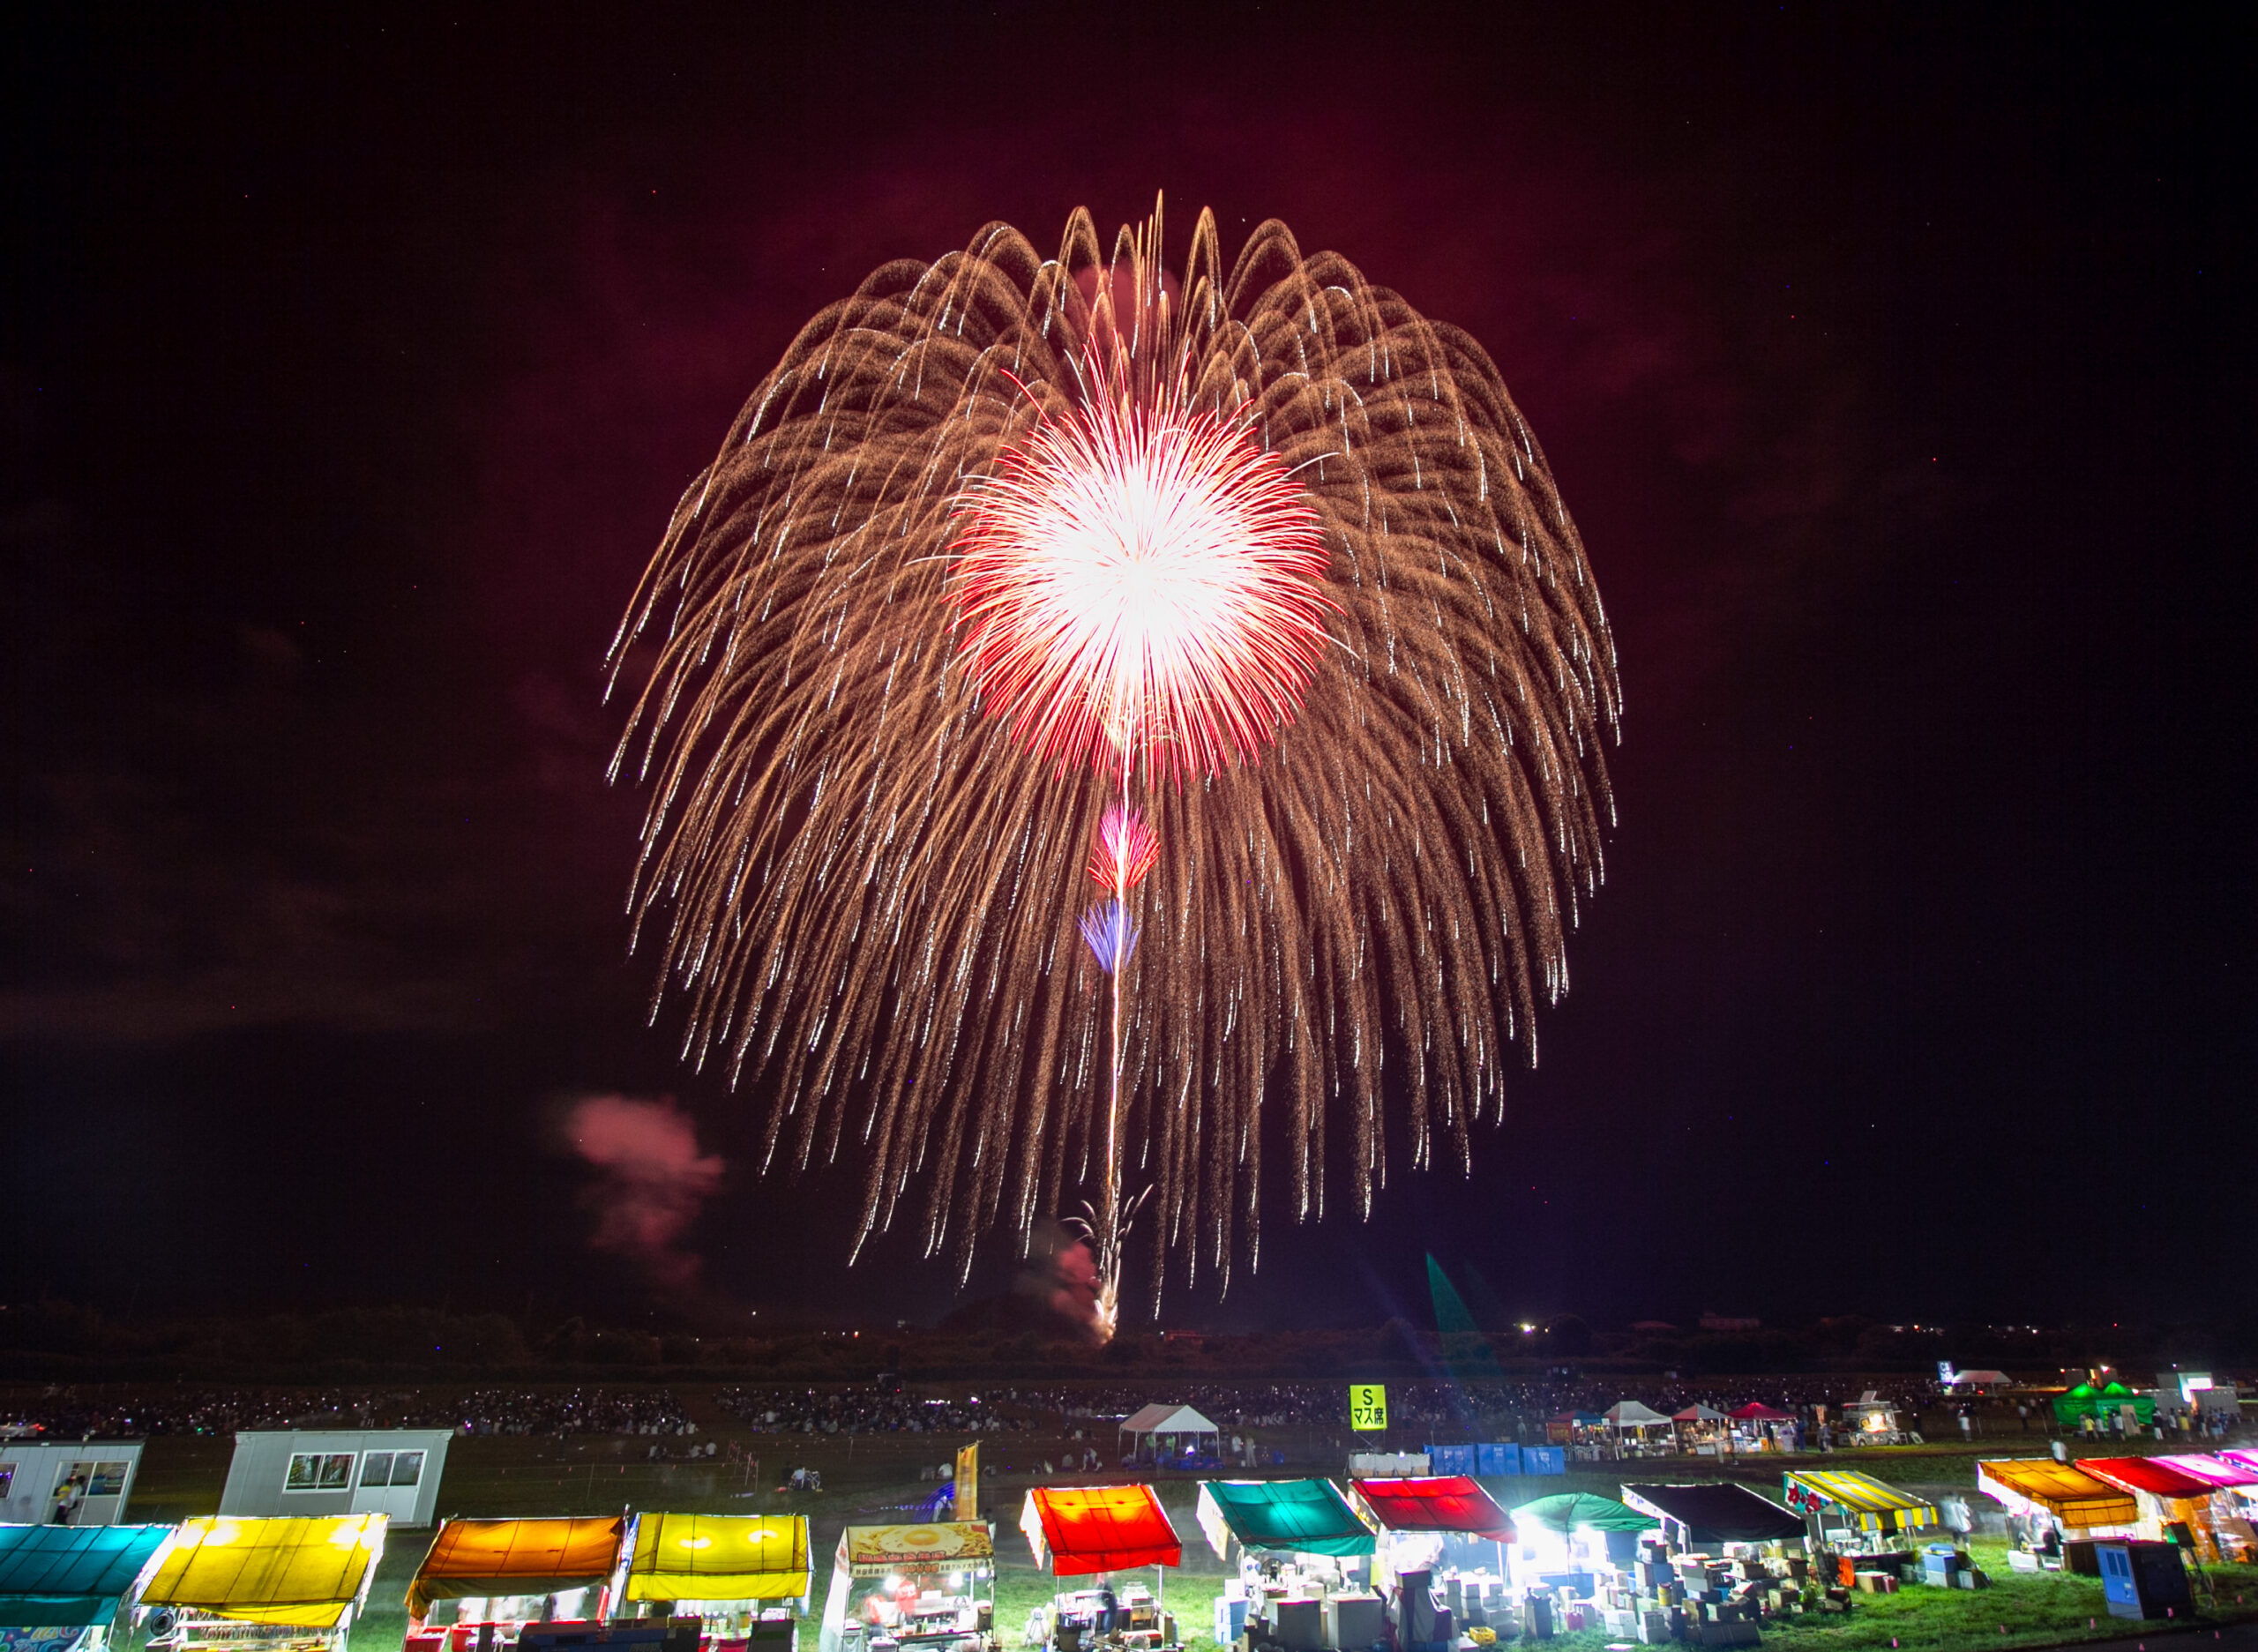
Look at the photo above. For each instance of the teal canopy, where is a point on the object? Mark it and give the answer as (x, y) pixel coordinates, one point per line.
(1307, 1516)
(1577, 1511)
(63, 1577)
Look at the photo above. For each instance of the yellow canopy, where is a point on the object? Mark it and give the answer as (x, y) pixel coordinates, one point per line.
(941, 1545)
(719, 1557)
(301, 1573)
(515, 1557)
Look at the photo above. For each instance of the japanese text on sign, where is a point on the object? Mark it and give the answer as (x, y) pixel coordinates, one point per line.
(1367, 1407)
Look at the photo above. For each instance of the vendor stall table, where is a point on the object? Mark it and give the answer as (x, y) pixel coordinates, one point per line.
(1846, 1501)
(285, 1582)
(920, 1588)
(494, 1564)
(746, 1575)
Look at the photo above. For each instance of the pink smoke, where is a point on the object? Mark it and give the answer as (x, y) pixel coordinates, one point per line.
(654, 1179)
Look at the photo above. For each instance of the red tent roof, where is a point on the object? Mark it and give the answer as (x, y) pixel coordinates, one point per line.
(2145, 1473)
(1079, 1529)
(1757, 1411)
(1443, 1502)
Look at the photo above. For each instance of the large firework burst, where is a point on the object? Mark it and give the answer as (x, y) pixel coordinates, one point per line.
(863, 883)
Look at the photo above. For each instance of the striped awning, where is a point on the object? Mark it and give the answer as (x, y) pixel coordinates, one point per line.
(1874, 1504)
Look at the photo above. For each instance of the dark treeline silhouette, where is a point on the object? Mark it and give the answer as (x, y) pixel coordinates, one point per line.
(50, 1342)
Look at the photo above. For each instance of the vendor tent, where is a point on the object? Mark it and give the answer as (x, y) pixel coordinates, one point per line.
(715, 1558)
(933, 1546)
(2215, 1472)
(2148, 1475)
(916, 1557)
(1304, 1516)
(67, 1577)
(1167, 1430)
(1449, 1503)
(1704, 1515)
(1863, 1502)
(2165, 1495)
(2102, 1403)
(1698, 1413)
(1078, 1530)
(2072, 1496)
(1626, 1414)
(484, 1558)
(311, 1574)
(1757, 1411)
(1579, 1511)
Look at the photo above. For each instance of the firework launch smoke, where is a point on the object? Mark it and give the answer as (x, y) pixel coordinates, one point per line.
(654, 1180)
(1005, 538)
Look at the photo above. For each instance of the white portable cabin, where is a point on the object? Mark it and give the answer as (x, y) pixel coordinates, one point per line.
(31, 1471)
(390, 1471)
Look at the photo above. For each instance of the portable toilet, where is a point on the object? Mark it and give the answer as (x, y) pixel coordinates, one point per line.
(2143, 1579)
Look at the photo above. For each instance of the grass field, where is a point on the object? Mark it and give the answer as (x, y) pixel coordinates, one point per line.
(868, 1479)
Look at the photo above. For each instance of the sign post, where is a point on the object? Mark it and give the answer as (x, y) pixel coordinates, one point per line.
(1367, 1407)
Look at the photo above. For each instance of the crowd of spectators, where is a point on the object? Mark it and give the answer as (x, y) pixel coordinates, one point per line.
(859, 1410)
(69, 1413)
(1484, 1408)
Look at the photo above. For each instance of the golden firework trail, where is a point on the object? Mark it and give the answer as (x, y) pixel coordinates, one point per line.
(863, 887)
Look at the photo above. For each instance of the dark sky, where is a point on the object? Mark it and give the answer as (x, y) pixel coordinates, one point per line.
(1896, 365)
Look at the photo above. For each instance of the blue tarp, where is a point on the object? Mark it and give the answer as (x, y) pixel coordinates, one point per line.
(69, 1576)
(1544, 1460)
(1486, 1459)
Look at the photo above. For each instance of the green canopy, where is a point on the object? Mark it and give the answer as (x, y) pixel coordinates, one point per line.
(1577, 1511)
(2104, 1401)
(63, 1577)
(1307, 1516)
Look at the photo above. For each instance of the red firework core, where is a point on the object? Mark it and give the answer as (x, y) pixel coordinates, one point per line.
(1140, 582)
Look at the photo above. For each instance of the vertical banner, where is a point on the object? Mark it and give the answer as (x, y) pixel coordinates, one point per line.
(1367, 1407)
(967, 1482)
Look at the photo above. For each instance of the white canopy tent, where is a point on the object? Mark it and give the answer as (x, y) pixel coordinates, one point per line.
(1158, 1432)
(1627, 1416)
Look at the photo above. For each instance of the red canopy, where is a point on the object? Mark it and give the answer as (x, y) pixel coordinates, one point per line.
(2146, 1474)
(1757, 1411)
(1443, 1502)
(1078, 1530)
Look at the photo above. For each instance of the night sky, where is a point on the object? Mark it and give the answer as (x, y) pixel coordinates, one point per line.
(1896, 366)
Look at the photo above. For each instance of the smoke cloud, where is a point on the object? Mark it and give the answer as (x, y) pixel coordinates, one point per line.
(1062, 1275)
(653, 1180)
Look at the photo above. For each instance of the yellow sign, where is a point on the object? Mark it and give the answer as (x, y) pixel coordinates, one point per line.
(967, 1482)
(1367, 1407)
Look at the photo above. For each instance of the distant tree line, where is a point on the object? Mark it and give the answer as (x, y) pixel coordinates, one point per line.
(57, 1341)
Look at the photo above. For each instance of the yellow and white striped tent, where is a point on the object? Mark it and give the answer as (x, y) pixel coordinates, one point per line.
(1870, 1503)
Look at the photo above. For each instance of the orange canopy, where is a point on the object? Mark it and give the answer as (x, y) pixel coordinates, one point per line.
(2074, 1497)
(485, 1557)
(1442, 1502)
(1078, 1530)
